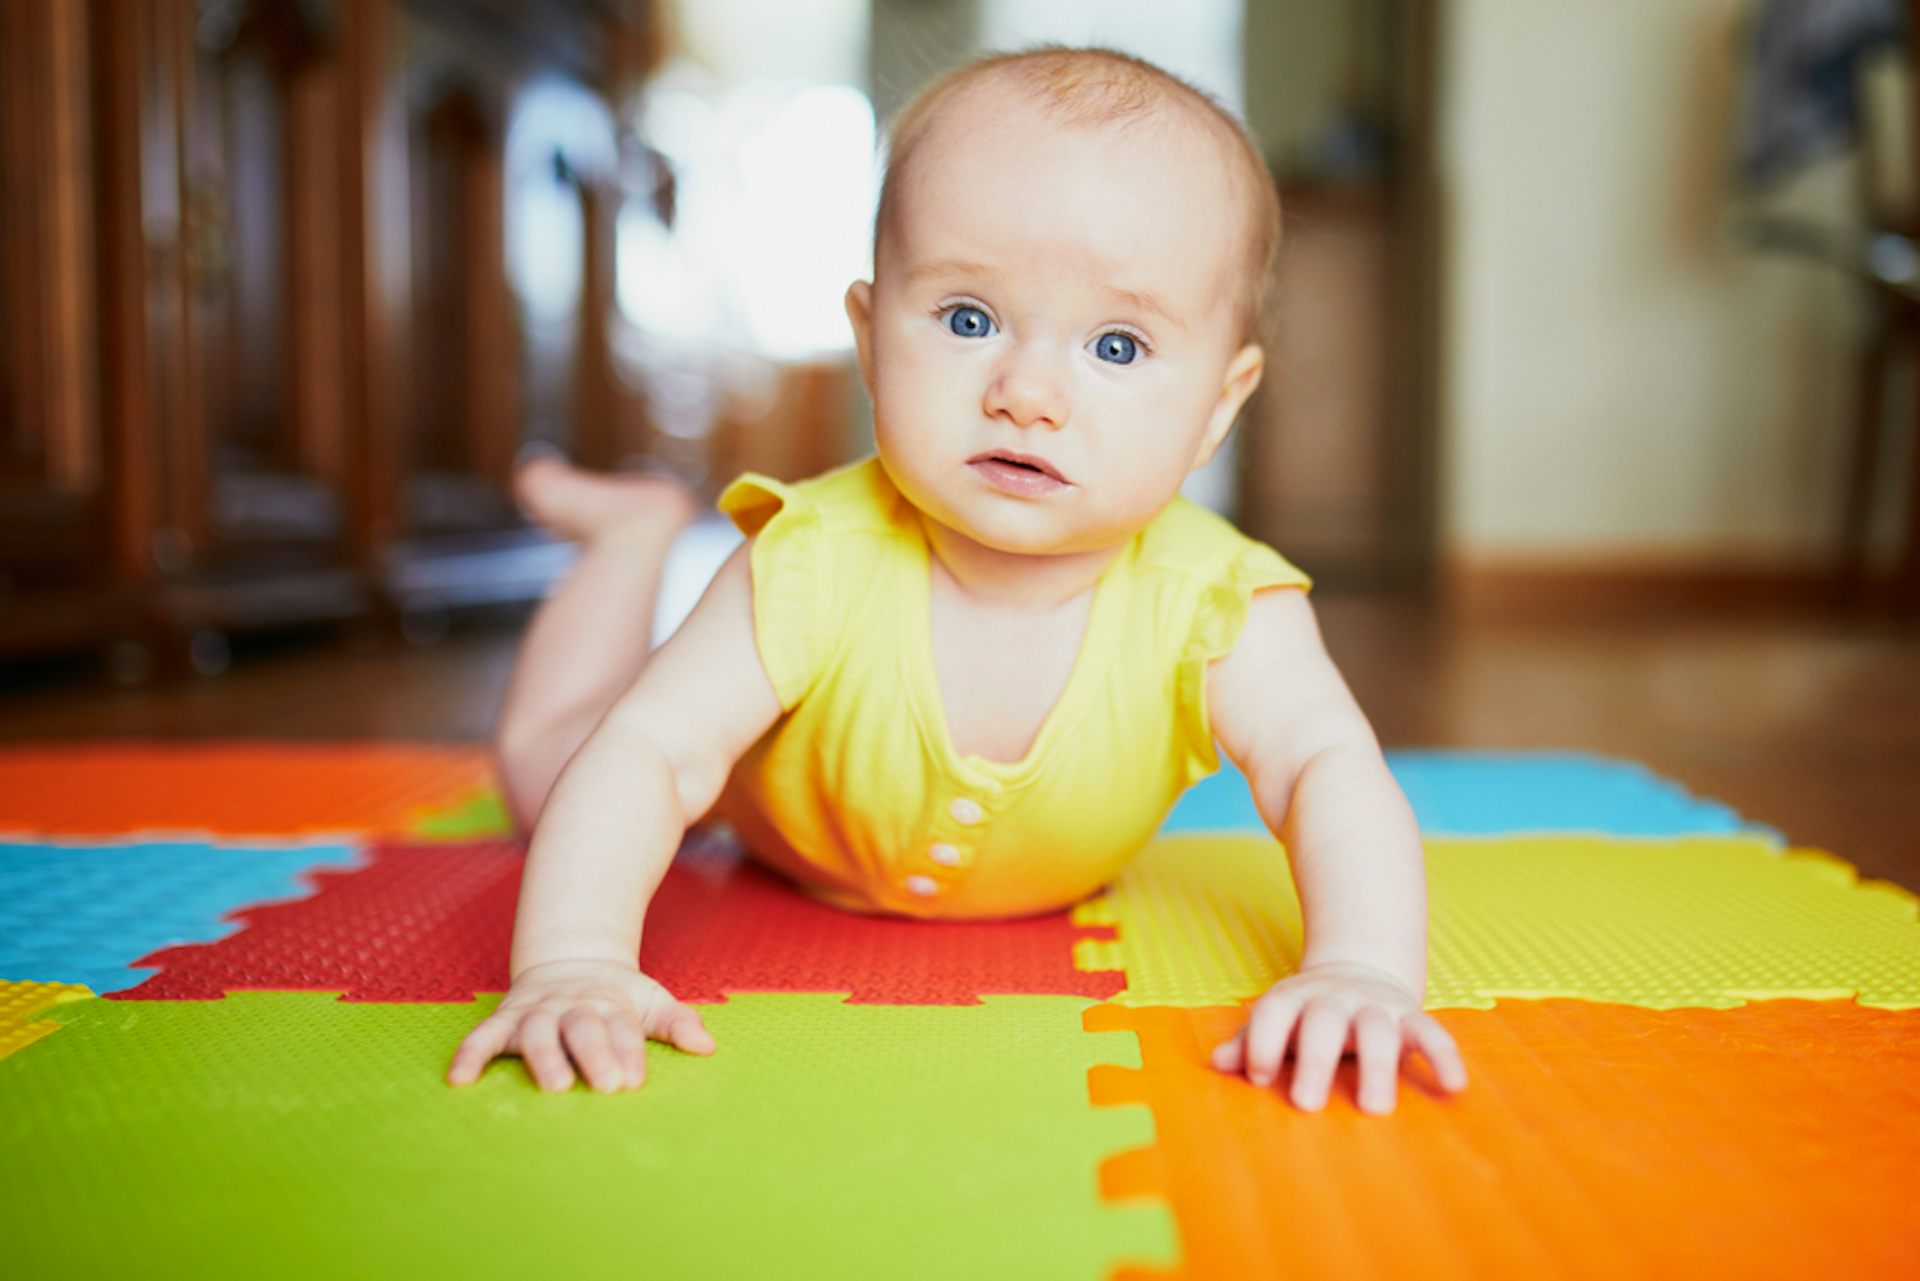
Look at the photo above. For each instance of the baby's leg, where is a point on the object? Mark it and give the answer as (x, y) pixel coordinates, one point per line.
(591, 637)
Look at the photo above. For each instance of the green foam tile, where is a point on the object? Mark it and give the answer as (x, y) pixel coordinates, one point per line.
(292, 1135)
(475, 817)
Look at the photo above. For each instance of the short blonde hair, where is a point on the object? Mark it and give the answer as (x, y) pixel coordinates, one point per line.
(1091, 87)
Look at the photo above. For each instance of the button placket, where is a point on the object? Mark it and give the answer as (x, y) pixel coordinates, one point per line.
(965, 811)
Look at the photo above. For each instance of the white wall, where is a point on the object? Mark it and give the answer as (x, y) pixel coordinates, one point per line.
(1623, 381)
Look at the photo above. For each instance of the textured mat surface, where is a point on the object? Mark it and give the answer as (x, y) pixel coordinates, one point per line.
(230, 788)
(1452, 793)
(1499, 793)
(290, 1135)
(477, 816)
(20, 1002)
(1695, 921)
(1595, 1141)
(434, 922)
(83, 912)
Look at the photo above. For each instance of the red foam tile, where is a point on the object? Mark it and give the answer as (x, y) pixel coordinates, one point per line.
(433, 922)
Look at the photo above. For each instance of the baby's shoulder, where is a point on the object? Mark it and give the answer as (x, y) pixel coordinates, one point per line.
(1188, 541)
(846, 500)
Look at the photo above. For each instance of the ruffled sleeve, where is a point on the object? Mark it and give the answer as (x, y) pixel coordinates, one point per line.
(791, 584)
(1219, 616)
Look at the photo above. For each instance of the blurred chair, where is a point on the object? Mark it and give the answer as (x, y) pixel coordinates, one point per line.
(1807, 66)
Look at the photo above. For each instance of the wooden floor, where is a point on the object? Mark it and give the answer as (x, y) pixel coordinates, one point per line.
(1805, 722)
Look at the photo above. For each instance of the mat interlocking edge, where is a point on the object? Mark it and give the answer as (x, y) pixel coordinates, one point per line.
(821, 1139)
(20, 1002)
(1665, 1102)
(1485, 793)
(1597, 1141)
(83, 911)
(231, 787)
(1452, 794)
(1692, 921)
(433, 922)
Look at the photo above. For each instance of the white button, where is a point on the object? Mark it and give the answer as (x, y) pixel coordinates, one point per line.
(964, 811)
(923, 885)
(945, 855)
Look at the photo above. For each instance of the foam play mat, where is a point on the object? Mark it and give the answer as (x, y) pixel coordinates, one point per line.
(232, 975)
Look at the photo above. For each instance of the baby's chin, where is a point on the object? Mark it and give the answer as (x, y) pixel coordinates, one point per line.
(1030, 532)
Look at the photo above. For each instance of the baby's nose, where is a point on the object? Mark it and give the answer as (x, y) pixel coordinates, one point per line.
(1027, 390)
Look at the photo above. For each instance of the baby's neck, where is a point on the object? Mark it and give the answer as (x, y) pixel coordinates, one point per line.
(1010, 580)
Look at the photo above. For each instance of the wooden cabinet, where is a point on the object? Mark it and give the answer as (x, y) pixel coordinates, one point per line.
(260, 359)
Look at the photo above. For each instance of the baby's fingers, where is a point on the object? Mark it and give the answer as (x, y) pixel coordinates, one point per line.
(1377, 1040)
(480, 1048)
(539, 1039)
(679, 1024)
(1231, 1055)
(1437, 1044)
(585, 1032)
(1323, 1035)
(1268, 1030)
(629, 1046)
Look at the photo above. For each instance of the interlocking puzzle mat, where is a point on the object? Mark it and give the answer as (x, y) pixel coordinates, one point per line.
(821, 1139)
(1452, 794)
(19, 1002)
(1597, 1136)
(1595, 1141)
(235, 789)
(84, 911)
(1498, 793)
(435, 922)
(1695, 921)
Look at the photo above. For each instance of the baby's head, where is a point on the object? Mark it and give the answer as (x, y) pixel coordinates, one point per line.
(1097, 90)
(1071, 258)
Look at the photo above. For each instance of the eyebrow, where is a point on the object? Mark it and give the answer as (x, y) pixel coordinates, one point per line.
(948, 267)
(964, 267)
(1148, 303)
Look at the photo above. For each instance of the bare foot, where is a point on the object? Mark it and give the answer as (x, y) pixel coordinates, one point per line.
(586, 505)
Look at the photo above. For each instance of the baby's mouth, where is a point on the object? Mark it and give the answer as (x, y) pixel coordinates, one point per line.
(1026, 462)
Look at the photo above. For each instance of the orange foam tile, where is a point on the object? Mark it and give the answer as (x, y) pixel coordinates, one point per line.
(231, 788)
(1779, 1139)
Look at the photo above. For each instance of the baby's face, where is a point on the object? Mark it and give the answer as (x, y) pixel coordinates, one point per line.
(1064, 294)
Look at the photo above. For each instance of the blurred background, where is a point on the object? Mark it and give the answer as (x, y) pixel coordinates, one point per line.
(1591, 408)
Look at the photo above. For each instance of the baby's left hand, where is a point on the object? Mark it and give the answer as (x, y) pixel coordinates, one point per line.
(1338, 1006)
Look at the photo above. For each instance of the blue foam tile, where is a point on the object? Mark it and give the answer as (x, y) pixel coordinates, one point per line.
(1500, 793)
(84, 911)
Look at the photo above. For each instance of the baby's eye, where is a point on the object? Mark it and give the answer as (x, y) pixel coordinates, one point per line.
(969, 322)
(1116, 347)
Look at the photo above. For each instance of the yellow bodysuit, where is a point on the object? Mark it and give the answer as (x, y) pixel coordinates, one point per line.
(857, 792)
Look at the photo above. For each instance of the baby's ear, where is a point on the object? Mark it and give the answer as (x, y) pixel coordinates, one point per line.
(1242, 376)
(859, 302)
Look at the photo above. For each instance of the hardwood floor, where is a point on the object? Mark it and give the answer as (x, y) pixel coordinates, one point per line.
(1807, 723)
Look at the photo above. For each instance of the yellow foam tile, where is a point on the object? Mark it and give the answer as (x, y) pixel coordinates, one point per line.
(1708, 922)
(19, 1002)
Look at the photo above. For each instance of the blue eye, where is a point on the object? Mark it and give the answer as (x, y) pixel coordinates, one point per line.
(969, 322)
(1116, 347)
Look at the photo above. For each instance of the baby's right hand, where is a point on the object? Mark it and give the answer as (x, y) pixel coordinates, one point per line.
(602, 1011)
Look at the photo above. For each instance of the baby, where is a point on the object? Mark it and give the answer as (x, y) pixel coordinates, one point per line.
(969, 676)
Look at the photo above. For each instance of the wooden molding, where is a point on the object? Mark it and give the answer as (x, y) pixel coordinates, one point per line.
(1628, 585)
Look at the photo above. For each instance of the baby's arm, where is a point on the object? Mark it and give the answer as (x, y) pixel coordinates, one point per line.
(657, 762)
(1285, 716)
